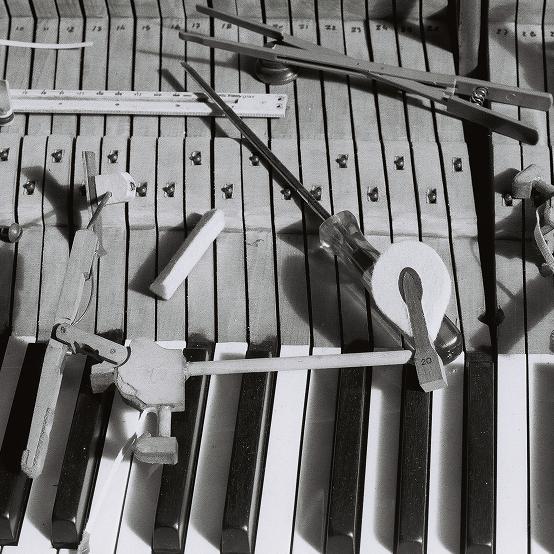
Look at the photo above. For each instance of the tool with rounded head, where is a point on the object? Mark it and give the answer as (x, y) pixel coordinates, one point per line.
(340, 233)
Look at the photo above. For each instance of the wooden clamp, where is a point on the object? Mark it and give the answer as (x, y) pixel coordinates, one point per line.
(153, 378)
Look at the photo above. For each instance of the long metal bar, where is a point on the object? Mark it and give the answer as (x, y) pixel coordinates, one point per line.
(316, 55)
(276, 165)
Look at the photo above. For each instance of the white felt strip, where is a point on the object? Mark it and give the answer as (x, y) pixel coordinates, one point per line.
(189, 254)
(44, 45)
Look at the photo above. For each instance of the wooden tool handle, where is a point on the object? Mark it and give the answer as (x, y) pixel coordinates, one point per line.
(364, 359)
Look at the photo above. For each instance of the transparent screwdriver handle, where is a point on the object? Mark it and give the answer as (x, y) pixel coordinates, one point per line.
(342, 235)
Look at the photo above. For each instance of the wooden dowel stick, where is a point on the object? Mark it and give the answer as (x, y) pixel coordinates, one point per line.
(362, 359)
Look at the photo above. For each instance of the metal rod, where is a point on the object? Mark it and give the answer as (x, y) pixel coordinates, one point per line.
(276, 165)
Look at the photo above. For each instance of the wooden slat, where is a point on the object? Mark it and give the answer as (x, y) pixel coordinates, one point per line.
(55, 250)
(29, 259)
(43, 71)
(172, 74)
(68, 67)
(120, 70)
(171, 232)
(10, 145)
(147, 62)
(95, 62)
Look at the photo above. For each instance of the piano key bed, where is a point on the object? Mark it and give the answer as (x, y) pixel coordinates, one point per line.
(341, 461)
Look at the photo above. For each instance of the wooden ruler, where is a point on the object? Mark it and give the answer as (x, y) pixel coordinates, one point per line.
(126, 102)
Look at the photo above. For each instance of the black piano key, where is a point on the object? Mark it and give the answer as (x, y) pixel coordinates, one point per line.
(479, 454)
(413, 466)
(347, 474)
(246, 471)
(14, 484)
(177, 484)
(81, 460)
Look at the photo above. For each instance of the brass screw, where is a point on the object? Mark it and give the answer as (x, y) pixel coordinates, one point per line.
(342, 160)
(196, 157)
(112, 156)
(399, 162)
(373, 194)
(457, 164)
(57, 156)
(4, 154)
(227, 191)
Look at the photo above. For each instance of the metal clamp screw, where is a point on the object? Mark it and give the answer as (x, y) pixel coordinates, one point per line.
(29, 187)
(113, 155)
(57, 156)
(457, 164)
(227, 191)
(342, 160)
(169, 190)
(4, 154)
(399, 162)
(373, 194)
(196, 157)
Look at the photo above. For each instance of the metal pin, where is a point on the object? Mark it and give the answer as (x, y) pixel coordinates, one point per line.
(399, 162)
(508, 199)
(227, 191)
(432, 196)
(142, 189)
(457, 164)
(29, 187)
(112, 156)
(373, 194)
(4, 154)
(342, 160)
(287, 193)
(254, 159)
(169, 190)
(57, 156)
(196, 157)
(316, 193)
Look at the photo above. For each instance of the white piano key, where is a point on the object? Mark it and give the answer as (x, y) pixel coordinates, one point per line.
(379, 504)
(511, 454)
(36, 527)
(445, 472)
(123, 423)
(139, 511)
(9, 376)
(206, 515)
(316, 459)
(277, 503)
(541, 441)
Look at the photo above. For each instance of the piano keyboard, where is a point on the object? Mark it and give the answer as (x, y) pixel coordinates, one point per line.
(350, 461)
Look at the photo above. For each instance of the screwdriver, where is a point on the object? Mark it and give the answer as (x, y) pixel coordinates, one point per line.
(339, 233)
